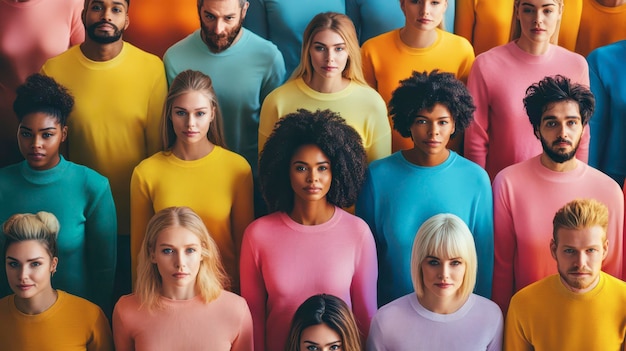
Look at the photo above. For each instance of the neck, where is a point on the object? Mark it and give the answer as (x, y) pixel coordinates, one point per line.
(441, 305)
(327, 86)
(611, 3)
(179, 292)
(191, 152)
(419, 158)
(313, 212)
(101, 52)
(531, 47)
(417, 38)
(566, 166)
(38, 303)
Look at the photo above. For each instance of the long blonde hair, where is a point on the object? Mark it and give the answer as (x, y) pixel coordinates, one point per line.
(516, 28)
(211, 277)
(342, 25)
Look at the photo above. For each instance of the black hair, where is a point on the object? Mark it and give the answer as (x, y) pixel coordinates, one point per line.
(43, 94)
(325, 129)
(549, 90)
(422, 91)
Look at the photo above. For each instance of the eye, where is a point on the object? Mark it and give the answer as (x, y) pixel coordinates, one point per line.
(180, 113)
(300, 168)
(550, 124)
(117, 10)
(209, 16)
(230, 18)
(200, 113)
(47, 135)
(35, 264)
(312, 348)
(443, 122)
(568, 251)
(433, 262)
(13, 264)
(420, 121)
(319, 48)
(340, 48)
(456, 263)
(592, 250)
(167, 251)
(572, 123)
(96, 7)
(25, 134)
(190, 250)
(335, 347)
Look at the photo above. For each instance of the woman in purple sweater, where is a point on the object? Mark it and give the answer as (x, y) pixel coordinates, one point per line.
(312, 165)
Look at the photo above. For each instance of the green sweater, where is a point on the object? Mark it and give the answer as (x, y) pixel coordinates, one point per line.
(81, 200)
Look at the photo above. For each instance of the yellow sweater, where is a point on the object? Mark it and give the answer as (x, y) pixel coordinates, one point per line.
(116, 117)
(70, 324)
(218, 187)
(600, 26)
(546, 316)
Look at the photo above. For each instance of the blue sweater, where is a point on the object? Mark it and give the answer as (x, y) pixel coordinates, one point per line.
(81, 200)
(607, 74)
(398, 197)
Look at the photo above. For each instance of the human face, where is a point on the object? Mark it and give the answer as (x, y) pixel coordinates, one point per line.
(442, 277)
(328, 53)
(310, 173)
(220, 23)
(105, 20)
(560, 130)
(39, 137)
(423, 15)
(431, 132)
(29, 268)
(177, 254)
(320, 337)
(192, 114)
(579, 254)
(538, 19)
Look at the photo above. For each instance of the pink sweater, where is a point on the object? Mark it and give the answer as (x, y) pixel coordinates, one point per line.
(221, 325)
(526, 197)
(283, 263)
(501, 133)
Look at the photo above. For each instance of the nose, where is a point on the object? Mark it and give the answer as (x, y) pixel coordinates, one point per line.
(191, 122)
(180, 262)
(37, 142)
(444, 273)
(220, 26)
(312, 176)
(424, 9)
(581, 260)
(23, 274)
(433, 129)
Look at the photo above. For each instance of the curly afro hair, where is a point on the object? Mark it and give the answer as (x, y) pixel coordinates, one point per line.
(421, 91)
(339, 142)
(549, 90)
(43, 94)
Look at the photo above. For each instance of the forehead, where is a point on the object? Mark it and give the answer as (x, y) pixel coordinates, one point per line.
(25, 250)
(539, 3)
(39, 120)
(221, 6)
(438, 110)
(328, 36)
(561, 109)
(123, 3)
(177, 236)
(585, 237)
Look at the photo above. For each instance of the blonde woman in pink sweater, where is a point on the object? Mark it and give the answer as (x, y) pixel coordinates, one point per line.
(180, 302)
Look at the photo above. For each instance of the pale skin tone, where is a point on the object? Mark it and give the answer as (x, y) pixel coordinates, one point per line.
(192, 114)
(421, 19)
(329, 58)
(221, 16)
(442, 279)
(29, 268)
(579, 254)
(430, 132)
(177, 256)
(320, 337)
(310, 174)
(561, 126)
(113, 11)
(538, 21)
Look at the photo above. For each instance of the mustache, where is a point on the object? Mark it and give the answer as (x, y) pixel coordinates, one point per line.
(561, 140)
(584, 271)
(93, 26)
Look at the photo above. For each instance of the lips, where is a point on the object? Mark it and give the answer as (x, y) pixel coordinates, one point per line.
(36, 156)
(190, 134)
(312, 190)
(443, 285)
(180, 275)
(24, 287)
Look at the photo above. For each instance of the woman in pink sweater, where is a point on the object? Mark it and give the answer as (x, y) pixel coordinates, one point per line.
(500, 134)
(180, 302)
(312, 165)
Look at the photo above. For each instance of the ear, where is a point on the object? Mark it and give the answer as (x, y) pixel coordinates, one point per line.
(605, 249)
(244, 10)
(64, 134)
(537, 134)
(152, 258)
(53, 265)
(553, 248)
(127, 21)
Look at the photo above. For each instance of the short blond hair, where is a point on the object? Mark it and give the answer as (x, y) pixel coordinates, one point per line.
(444, 235)
(581, 214)
(211, 277)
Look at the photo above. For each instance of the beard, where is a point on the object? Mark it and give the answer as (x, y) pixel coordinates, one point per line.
(104, 39)
(218, 43)
(558, 156)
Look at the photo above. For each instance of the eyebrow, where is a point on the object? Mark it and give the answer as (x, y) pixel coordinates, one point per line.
(42, 129)
(314, 343)
(170, 245)
(552, 117)
(437, 258)
(29, 260)
(304, 163)
(338, 44)
(531, 5)
(214, 15)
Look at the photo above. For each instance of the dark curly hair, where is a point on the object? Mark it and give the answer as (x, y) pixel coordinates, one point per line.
(339, 142)
(549, 90)
(43, 94)
(421, 91)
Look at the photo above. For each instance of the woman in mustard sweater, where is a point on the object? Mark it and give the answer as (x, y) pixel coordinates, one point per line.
(194, 169)
(37, 316)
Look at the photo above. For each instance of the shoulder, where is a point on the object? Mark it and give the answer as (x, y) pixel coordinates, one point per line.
(354, 225)
(236, 161)
(92, 178)
(156, 160)
(608, 52)
(527, 296)
(469, 168)
(264, 226)
(380, 40)
(515, 171)
(454, 39)
(259, 45)
(70, 55)
(87, 309)
(487, 307)
(562, 53)
(143, 57)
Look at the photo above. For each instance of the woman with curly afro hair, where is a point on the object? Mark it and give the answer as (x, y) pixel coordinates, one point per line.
(405, 189)
(312, 165)
(78, 196)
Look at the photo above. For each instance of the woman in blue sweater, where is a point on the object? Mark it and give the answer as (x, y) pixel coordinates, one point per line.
(78, 196)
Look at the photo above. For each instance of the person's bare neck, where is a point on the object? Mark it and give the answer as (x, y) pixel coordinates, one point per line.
(611, 3)
(440, 305)
(191, 152)
(37, 304)
(312, 213)
(101, 52)
(417, 38)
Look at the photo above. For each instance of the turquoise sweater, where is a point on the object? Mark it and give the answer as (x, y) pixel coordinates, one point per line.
(398, 197)
(81, 200)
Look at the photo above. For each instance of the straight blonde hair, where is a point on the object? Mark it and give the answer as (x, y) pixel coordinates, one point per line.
(516, 28)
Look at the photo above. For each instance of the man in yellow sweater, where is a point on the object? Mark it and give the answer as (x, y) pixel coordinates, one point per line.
(580, 308)
(119, 92)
